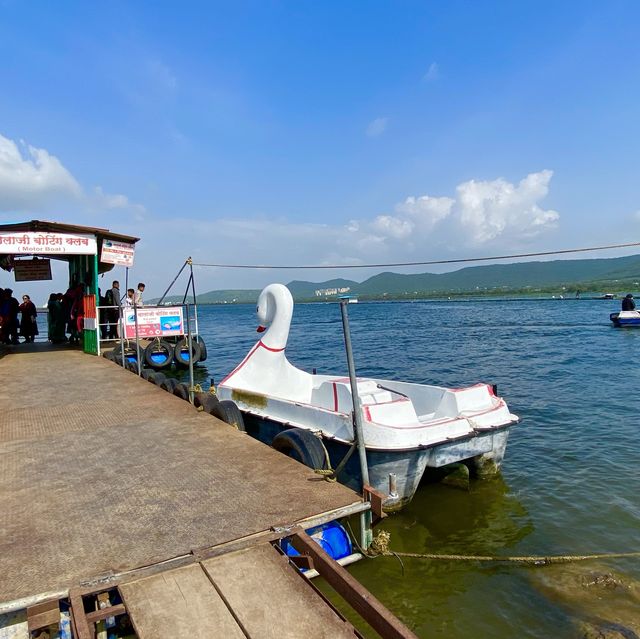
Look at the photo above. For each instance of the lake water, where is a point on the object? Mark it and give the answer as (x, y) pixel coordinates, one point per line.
(571, 477)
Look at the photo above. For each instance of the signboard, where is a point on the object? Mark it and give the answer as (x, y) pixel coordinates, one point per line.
(47, 243)
(118, 253)
(32, 270)
(157, 321)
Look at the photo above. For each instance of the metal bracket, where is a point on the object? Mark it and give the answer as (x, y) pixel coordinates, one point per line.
(375, 498)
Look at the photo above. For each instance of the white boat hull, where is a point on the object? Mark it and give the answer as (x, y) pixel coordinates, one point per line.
(483, 451)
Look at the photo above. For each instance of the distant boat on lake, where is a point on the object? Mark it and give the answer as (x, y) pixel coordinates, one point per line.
(625, 318)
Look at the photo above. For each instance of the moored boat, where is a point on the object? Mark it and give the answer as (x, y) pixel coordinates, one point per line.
(407, 427)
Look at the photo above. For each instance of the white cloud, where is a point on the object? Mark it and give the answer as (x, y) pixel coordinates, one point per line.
(377, 127)
(433, 73)
(494, 212)
(489, 209)
(392, 226)
(426, 210)
(31, 178)
(115, 201)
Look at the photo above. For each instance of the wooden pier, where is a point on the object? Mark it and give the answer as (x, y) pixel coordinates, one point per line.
(107, 481)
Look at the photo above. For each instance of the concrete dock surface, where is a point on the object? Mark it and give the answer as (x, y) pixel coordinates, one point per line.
(102, 472)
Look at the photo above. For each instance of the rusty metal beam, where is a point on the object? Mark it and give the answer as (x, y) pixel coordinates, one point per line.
(385, 623)
(82, 628)
(103, 613)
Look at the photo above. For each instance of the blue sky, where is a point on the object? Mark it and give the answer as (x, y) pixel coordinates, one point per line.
(334, 132)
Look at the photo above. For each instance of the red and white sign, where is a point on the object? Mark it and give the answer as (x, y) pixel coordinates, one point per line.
(48, 243)
(157, 321)
(118, 253)
(32, 270)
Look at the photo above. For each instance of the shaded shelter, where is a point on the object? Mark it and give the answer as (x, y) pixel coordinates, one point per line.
(80, 246)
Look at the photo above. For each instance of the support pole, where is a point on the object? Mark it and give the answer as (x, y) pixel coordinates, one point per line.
(121, 330)
(195, 301)
(366, 535)
(190, 345)
(96, 292)
(135, 317)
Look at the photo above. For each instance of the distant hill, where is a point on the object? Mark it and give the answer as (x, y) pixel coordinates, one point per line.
(591, 274)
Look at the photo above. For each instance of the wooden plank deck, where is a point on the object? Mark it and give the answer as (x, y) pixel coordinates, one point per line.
(219, 598)
(102, 472)
(180, 603)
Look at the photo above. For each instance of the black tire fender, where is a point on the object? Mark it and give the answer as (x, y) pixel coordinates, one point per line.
(228, 412)
(205, 400)
(157, 378)
(154, 352)
(168, 384)
(182, 391)
(128, 353)
(181, 352)
(203, 349)
(303, 446)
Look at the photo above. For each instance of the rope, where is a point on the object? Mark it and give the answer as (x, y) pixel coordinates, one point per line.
(380, 546)
(605, 247)
(328, 473)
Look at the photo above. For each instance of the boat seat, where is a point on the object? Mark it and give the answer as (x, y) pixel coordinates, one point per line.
(379, 405)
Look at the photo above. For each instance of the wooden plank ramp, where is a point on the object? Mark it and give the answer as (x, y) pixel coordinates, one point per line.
(253, 593)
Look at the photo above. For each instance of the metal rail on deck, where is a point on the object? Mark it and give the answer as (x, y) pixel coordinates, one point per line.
(359, 598)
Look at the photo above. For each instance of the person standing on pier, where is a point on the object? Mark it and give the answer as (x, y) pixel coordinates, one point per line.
(112, 298)
(28, 322)
(138, 297)
(9, 308)
(77, 316)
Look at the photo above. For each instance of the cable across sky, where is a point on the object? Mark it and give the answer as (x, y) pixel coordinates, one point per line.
(461, 260)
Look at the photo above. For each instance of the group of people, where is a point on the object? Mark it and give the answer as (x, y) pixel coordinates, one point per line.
(11, 327)
(66, 315)
(113, 300)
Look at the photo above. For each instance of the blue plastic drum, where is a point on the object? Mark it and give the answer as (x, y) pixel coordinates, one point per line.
(333, 538)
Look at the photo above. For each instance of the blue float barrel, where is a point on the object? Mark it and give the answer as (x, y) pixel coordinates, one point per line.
(333, 538)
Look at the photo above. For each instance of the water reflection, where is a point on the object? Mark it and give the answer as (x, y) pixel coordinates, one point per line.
(483, 520)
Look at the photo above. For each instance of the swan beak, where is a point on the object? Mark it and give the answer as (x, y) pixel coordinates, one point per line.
(261, 329)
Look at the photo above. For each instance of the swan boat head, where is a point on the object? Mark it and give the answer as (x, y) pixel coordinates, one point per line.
(274, 311)
(265, 370)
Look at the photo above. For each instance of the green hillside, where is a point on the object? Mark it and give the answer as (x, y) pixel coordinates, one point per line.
(592, 274)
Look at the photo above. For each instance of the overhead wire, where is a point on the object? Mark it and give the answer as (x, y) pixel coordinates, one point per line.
(490, 258)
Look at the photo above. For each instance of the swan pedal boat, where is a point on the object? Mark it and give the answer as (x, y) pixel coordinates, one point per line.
(625, 318)
(407, 427)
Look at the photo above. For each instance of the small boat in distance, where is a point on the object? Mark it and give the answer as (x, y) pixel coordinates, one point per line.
(351, 299)
(623, 319)
(407, 427)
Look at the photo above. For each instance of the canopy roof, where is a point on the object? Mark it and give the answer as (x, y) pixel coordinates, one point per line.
(39, 226)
